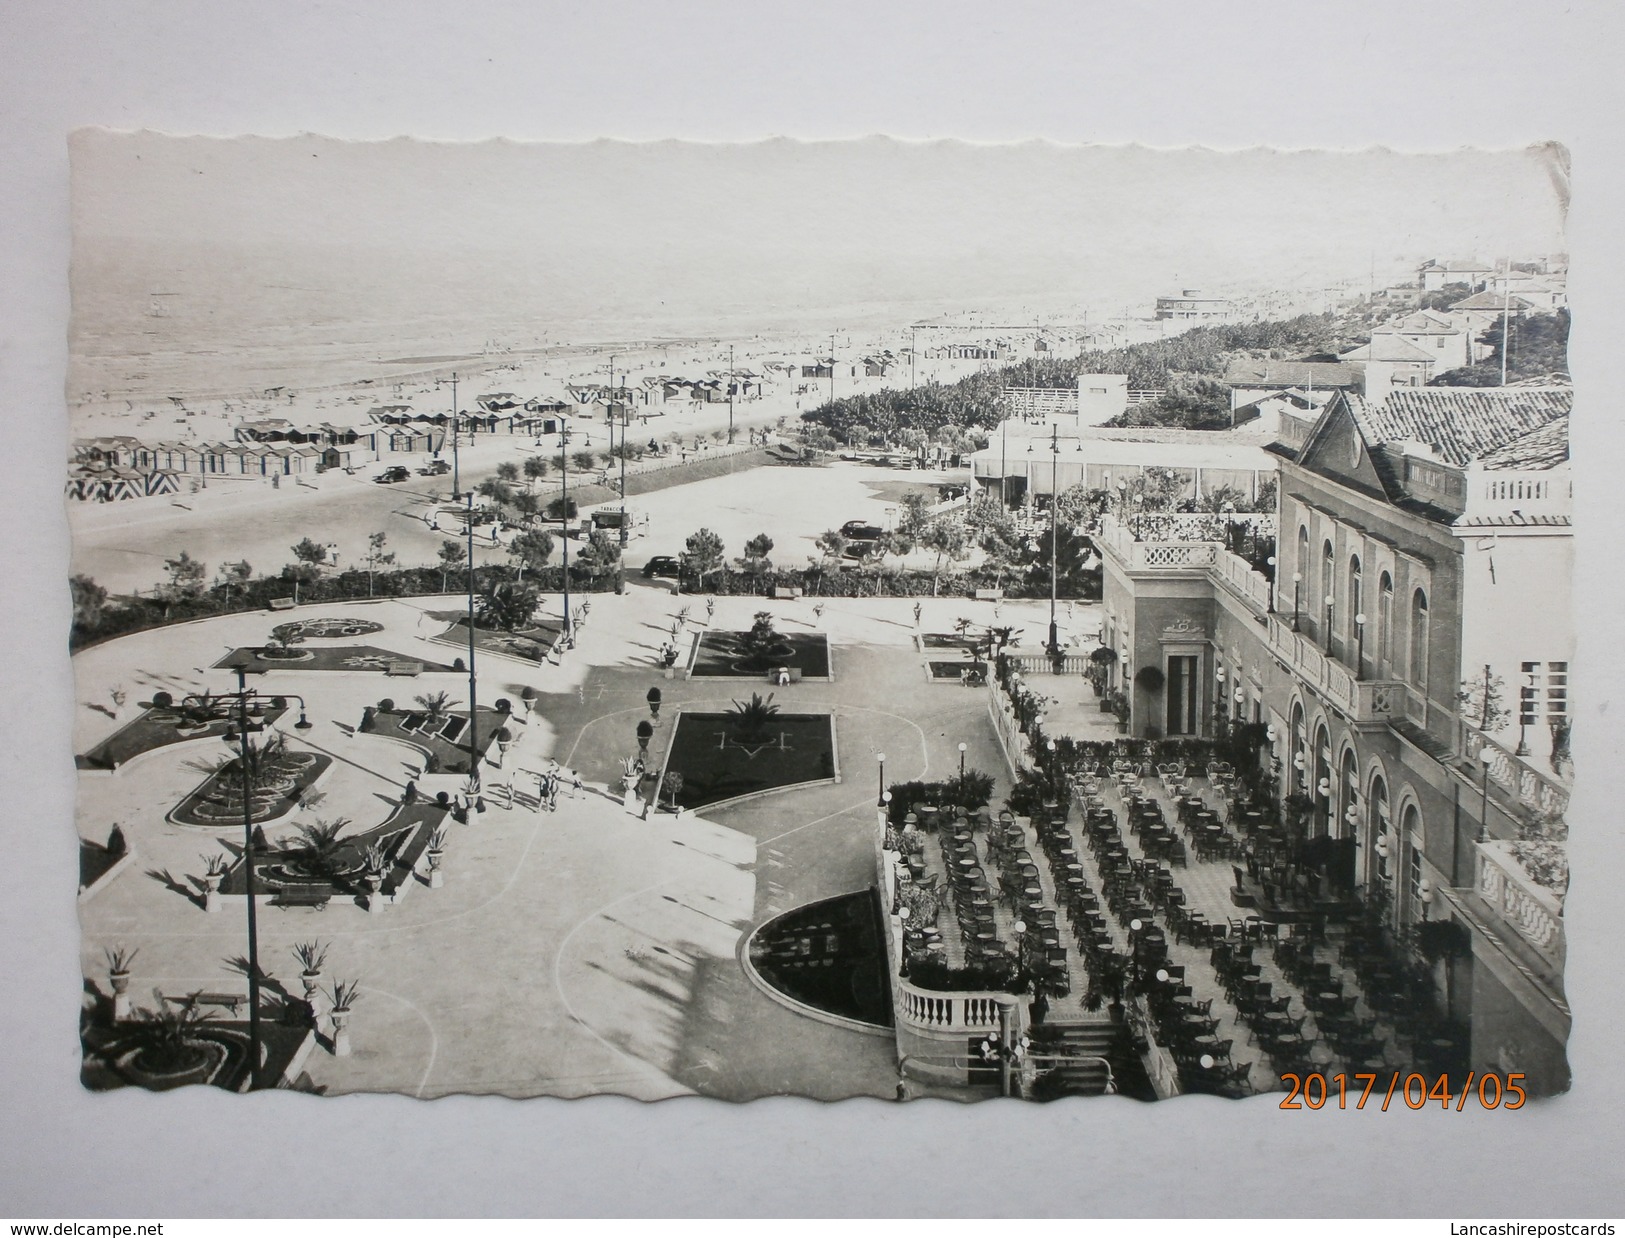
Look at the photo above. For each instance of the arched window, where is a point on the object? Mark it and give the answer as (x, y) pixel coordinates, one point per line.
(1321, 780)
(1328, 573)
(1356, 603)
(1408, 894)
(1300, 772)
(1385, 625)
(1376, 816)
(1348, 798)
(1300, 565)
(1419, 640)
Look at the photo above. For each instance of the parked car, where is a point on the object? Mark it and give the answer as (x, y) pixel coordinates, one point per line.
(660, 565)
(860, 531)
(395, 473)
(435, 468)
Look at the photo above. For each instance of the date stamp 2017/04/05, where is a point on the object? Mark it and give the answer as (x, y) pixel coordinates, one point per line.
(1314, 1091)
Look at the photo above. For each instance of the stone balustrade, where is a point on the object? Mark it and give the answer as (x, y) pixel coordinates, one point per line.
(1533, 912)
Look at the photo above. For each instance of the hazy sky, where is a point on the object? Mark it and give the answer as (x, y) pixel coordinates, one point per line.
(693, 227)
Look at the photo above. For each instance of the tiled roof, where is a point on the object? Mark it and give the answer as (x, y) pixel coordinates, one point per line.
(1387, 346)
(1251, 372)
(1545, 448)
(1496, 301)
(1463, 423)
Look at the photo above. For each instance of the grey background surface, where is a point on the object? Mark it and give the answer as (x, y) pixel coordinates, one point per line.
(1435, 77)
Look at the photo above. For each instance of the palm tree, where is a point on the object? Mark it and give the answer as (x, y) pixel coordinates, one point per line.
(749, 720)
(437, 705)
(317, 847)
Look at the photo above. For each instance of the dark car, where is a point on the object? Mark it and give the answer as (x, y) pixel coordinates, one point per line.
(858, 531)
(660, 565)
(435, 468)
(398, 472)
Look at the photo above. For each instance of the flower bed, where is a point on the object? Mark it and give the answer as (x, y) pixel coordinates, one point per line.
(528, 644)
(724, 655)
(219, 802)
(403, 839)
(828, 956)
(444, 744)
(159, 726)
(329, 658)
(115, 1058)
(717, 765)
(301, 629)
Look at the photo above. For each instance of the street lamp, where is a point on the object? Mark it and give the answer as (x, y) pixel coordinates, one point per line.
(473, 712)
(245, 759)
(1359, 657)
(1485, 756)
(1054, 535)
(564, 520)
(881, 794)
(962, 765)
(1297, 580)
(1271, 562)
(1329, 600)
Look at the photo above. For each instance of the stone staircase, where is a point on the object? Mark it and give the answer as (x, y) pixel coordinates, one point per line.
(1096, 1039)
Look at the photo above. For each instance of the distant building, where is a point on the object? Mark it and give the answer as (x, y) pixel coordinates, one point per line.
(1251, 379)
(1391, 361)
(1437, 274)
(1024, 459)
(1194, 305)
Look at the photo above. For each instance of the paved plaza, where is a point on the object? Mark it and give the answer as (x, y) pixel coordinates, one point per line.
(568, 953)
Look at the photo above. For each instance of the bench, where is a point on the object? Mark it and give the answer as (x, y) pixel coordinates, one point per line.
(784, 593)
(989, 595)
(790, 674)
(404, 669)
(229, 1001)
(303, 896)
(281, 603)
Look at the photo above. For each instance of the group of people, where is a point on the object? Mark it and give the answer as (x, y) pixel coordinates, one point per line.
(550, 781)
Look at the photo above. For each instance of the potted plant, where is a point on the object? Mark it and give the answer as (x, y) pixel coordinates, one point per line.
(344, 994)
(214, 872)
(311, 955)
(1100, 660)
(1120, 707)
(672, 785)
(118, 975)
(527, 698)
(653, 698)
(374, 860)
(437, 842)
(645, 734)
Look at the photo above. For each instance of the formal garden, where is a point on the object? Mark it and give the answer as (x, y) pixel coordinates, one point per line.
(749, 749)
(181, 1042)
(754, 654)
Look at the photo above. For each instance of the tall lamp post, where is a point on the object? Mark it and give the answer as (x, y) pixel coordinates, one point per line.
(1359, 657)
(1329, 602)
(880, 796)
(456, 437)
(1297, 582)
(1054, 536)
(567, 626)
(244, 759)
(473, 711)
(1271, 562)
(962, 768)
